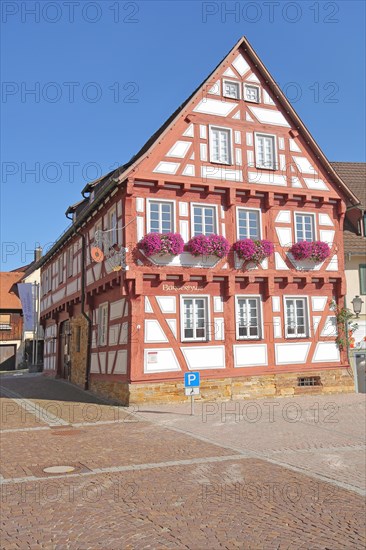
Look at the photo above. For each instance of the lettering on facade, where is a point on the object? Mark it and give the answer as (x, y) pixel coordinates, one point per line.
(183, 288)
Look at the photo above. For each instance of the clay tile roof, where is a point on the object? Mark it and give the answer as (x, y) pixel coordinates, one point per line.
(354, 176)
(354, 243)
(8, 299)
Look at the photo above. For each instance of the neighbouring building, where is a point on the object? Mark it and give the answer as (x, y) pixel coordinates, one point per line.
(11, 321)
(233, 162)
(354, 175)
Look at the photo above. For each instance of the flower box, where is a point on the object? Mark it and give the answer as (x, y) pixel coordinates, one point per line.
(315, 251)
(208, 245)
(162, 244)
(253, 251)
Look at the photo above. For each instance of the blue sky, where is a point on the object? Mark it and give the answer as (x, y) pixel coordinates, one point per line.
(107, 74)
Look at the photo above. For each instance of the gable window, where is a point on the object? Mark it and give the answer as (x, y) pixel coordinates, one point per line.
(194, 319)
(70, 259)
(248, 224)
(248, 318)
(160, 217)
(304, 227)
(265, 151)
(113, 226)
(220, 145)
(102, 324)
(231, 89)
(60, 269)
(362, 271)
(5, 322)
(296, 318)
(251, 93)
(204, 220)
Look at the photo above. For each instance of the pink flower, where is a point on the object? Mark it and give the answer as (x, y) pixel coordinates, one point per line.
(317, 251)
(253, 251)
(211, 245)
(162, 243)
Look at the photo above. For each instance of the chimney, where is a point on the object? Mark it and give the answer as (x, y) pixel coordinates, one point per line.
(37, 253)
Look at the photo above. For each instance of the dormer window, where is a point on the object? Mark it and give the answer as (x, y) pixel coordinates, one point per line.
(231, 89)
(251, 93)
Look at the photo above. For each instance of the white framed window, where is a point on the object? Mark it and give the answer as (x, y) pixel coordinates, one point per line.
(231, 89)
(194, 319)
(265, 151)
(204, 219)
(102, 324)
(112, 223)
(60, 269)
(160, 216)
(70, 260)
(252, 93)
(97, 228)
(248, 318)
(220, 145)
(296, 317)
(304, 227)
(248, 223)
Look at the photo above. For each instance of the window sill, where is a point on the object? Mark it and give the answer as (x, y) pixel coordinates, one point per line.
(221, 163)
(271, 169)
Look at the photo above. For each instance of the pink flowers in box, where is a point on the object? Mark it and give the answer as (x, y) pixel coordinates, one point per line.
(316, 251)
(162, 243)
(211, 245)
(253, 251)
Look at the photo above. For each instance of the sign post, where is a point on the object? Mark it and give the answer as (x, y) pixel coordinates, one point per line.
(192, 386)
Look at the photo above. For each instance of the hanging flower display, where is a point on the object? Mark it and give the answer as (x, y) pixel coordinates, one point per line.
(210, 245)
(253, 251)
(316, 251)
(162, 243)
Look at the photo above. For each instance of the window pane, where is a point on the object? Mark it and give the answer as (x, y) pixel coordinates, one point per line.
(362, 278)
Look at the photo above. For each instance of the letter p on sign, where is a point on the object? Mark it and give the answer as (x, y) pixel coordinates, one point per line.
(191, 379)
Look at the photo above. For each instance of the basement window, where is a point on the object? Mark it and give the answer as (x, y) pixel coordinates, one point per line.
(308, 381)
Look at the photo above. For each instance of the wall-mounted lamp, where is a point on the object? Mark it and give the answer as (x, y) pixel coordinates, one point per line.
(357, 305)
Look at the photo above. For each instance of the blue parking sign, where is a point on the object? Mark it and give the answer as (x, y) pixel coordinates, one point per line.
(191, 379)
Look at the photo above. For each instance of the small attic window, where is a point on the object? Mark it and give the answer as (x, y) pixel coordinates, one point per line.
(251, 93)
(91, 196)
(231, 89)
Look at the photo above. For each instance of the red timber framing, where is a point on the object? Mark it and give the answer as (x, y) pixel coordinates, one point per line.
(139, 316)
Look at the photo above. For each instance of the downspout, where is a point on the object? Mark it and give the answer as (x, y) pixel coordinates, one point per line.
(85, 315)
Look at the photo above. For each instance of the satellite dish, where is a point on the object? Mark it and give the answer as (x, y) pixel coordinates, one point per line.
(97, 254)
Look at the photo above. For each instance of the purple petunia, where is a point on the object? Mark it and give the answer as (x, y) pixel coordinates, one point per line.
(253, 251)
(317, 251)
(162, 243)
(210, 245)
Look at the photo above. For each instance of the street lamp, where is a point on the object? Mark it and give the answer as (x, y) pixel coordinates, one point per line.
(357, 305)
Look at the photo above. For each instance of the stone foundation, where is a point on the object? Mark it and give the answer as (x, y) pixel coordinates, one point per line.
(78, 349)
(338, 380)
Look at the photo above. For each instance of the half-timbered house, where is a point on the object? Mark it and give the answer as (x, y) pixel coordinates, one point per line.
(234, 161)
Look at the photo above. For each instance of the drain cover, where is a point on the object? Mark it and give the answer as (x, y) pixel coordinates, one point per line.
(59, 469)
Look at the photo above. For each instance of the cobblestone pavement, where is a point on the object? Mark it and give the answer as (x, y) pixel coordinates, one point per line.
(265, 474)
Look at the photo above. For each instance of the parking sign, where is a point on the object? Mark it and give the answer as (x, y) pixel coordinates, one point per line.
(191, 379)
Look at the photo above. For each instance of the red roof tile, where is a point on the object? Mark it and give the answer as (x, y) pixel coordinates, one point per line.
(9, 300)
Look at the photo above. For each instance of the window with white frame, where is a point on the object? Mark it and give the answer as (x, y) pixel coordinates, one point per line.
(204, 220)
(220, 145)
(296, 318)
(304, 227)
(102, 324)
(70, 260)
(160, 217)
(251, 93)
(248, 318)
(60, 268)
(265, 151)
(231, 89)
(195, 319)
(113, 235)
(248, 224)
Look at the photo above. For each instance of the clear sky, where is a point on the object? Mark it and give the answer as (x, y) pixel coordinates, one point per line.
(106, 74)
